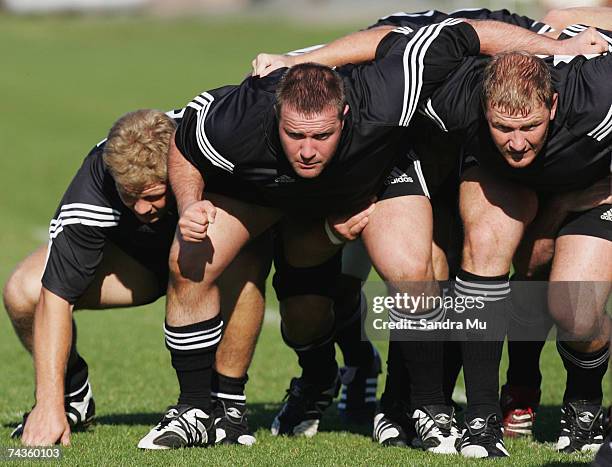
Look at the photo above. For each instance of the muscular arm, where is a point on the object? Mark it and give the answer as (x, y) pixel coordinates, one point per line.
(495, 37)
(188, 186)
(47, 422)
(186, 181)
(357, 47)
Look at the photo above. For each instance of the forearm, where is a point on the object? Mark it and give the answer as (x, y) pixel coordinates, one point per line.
(52, 338)
(496, 37)
(186, 181)
(357, 47)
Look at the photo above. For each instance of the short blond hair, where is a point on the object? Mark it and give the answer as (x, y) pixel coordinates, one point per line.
(136, 150)
(516, 81)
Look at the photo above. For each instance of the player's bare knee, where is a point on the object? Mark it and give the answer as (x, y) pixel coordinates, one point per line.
(580, 325)
(20, 296)
(190, 265)
(582, 329)
(482, 249)
(408, 267)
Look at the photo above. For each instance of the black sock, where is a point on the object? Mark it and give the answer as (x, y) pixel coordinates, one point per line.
(316, 359)
(528, 327)
(356, 352)
(585, 372)
(524, 364)
(226, 388)
(452, 356)
(77, 372)
(192, 349)
(452, 368)
(397, 384)
(482, 349)
(422, 353)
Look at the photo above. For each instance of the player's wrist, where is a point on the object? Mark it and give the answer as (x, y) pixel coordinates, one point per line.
(50, 402)
(185, 204)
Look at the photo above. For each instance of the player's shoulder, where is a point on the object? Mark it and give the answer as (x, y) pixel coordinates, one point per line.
(585, 94)
(226, 125)
(502, 15)
(455, 104)
(232, 112)
(93, 187)
(410, 21)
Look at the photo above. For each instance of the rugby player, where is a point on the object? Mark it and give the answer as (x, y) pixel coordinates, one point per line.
(549, 142)
(108, 248)
(262, 150)
(481, 426)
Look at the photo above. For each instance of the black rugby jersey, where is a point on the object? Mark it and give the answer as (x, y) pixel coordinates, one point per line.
(413, 21)
(579, 143)
(234, 131)
(90, 214)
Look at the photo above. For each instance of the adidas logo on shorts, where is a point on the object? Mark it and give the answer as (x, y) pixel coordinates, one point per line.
(397, 176)
(607, 216)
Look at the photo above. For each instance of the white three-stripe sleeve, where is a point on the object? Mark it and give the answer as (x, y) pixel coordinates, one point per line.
(202, 105)
(604, 128)
(428, 57)
(77, 235)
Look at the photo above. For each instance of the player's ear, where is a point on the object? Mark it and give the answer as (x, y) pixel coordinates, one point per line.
(553, 107)
(344, 113)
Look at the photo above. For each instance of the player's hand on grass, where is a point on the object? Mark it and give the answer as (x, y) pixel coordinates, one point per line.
(195, 220)
(264, 64)
(588, 198)
(46, 427)
(588, 41)
(349, 227)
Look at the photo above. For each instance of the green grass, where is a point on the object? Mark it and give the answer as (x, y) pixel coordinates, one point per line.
(64, 81)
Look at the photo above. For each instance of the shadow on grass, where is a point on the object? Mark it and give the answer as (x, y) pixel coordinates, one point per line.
(566, 464)
(260, 416)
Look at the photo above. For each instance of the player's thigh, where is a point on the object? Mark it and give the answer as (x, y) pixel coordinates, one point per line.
(582, 258)
(581, 279)
(494, 213)
(122, 281)
(236, 222)
(398, 238)
(22, 290)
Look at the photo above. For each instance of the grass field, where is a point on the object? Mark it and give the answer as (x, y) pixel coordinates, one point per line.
(64, 81)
